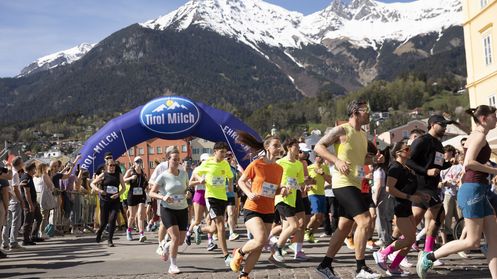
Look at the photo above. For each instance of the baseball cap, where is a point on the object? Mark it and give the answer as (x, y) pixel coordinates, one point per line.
(137, 158)
(303, 147)
(204, 156)
(437, 118)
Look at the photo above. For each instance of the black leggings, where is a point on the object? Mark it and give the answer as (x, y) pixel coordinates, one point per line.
(108, 215)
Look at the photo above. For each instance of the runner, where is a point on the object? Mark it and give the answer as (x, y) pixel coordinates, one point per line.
(198, 200)
(479, 217)
(401, 183)
(136, 198)
(350, 143)
(214, 172)
(232, 207)
(427, 160)
(107, 186)
(320, 172)
(260, 182)
(171, 188)
(290, 205)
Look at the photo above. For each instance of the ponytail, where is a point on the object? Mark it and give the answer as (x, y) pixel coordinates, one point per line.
(481, 110)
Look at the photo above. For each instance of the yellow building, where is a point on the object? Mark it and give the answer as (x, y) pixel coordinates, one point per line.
(480, 33)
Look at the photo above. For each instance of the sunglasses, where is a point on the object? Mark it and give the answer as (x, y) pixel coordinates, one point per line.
(139, 161)
(111, 165)
(443, 125)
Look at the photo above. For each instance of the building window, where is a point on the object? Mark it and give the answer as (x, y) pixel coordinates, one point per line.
(151, 164)
(159, 150)
(131, 152)
(151, 150)
(206, 150)
(183, 148)
(141, 151)
(195, 151)
(487, 49)
(491, 101)
(483, 3)
(405, 134)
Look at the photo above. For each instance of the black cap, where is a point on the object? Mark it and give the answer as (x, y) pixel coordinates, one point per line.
(437, 118)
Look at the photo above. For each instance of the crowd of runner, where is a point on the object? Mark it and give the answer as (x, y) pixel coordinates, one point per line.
(412, 190)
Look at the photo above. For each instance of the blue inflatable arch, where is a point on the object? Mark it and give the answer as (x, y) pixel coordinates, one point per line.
(171, 117)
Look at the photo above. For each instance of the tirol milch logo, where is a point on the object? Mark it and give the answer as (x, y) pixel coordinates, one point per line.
(170, 115)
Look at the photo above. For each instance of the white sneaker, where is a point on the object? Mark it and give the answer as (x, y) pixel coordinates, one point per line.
(278, 255)
(234, 236)
(228, 260)
(173, 269)
(438, 263)
(367, 273)
(463, 255)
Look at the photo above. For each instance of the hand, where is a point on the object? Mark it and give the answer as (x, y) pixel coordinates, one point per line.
(416, 198)
(320, 171)
(167, 199)
(188, 194)
(115, 196)
(253, 197)
(202, 181)
(284, 192)
(379, 158)
(342, 167)
(433, 172)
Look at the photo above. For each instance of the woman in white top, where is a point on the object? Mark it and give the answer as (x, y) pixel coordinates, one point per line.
(170, 188)
(43, 183)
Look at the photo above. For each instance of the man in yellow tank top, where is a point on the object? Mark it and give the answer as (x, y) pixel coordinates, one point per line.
(350, 144)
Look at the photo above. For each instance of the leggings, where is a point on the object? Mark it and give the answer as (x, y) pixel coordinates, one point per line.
(108, 215)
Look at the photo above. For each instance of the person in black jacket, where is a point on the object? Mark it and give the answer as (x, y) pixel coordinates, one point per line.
(427, 160)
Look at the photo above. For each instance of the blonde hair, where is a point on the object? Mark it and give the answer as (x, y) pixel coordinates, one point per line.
(171, 150)
(41, 168)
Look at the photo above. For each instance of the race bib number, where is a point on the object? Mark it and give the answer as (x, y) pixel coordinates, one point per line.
(360, 172)
(268, 190)
(218, 181)
(111, 190)
(178, 198)
(137, 191)
(292, 183)
(439, 159)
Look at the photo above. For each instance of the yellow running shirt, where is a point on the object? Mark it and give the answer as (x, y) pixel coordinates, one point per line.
(318, 189)
(293, 176)
(215, 178)
(354, 151)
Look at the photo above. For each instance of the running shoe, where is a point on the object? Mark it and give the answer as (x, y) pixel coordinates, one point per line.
(110, 244)
(234, 236)
(380, 260)
(326, 272)
(214, 236)
(211, 246)
(142, 238)
(463, 255)
(243, 276)
(300, 256)
(236, 261)
(5, 247)
(438, 263)
(309, 237)
(371, 245)
(228, 260)
(278, 255)
(397, 272)
(484, 249)
(188, 239)
(198, 234)
(293, 247)
(349, 241)
(173, 269)
(423, 265)
(129, 236)
(367, 273)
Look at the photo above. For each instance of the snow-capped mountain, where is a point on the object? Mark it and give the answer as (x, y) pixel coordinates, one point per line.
(363, 22)
(250, 21)
(369, 22)
(51, 61)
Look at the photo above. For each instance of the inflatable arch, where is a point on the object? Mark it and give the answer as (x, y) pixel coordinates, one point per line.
(170, 117)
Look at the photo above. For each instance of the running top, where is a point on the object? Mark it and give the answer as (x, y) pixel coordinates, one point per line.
(110, 185)
(406, 180)
(266, 179)
(427, 152)
(137, 186)
(354, 151)
(215, 174)
(293, 176)
(472, 176)
(173, 186)
(318, 189)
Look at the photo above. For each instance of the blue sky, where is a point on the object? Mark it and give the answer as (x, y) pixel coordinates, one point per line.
(32, 29)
